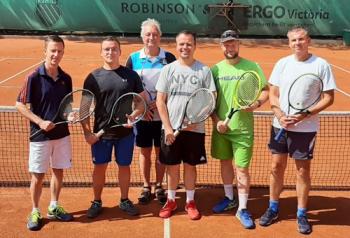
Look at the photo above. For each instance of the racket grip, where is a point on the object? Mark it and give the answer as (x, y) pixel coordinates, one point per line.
(100, 133)
(176, 133)
(279, 134)
(35, 134)
(227, 120)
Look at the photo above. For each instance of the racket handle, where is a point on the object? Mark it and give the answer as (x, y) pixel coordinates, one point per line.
(279, 134)
(100, 133)
(227, 120)
(176, 133)
(35, 133)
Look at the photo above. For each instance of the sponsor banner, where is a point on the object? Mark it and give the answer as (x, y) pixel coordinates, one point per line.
(206, 17)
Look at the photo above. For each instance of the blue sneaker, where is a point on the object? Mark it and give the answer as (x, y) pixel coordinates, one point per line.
(245, 218)
(225, 205)
(59, 213)
(268, 218)
(35, 221)
(304, 226)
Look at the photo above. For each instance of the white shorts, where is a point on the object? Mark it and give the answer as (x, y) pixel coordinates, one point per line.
(58, 153)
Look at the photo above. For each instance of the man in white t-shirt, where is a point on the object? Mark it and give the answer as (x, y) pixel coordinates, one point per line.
(301, 128)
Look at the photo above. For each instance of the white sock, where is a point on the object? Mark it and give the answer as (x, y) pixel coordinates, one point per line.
(171, 194)
(35, 209)
(228, 191)
(53, 204)
(189, 195)
(242, 201)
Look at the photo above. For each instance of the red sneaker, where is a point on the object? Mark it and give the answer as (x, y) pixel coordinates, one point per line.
(167, 210)
(192, 210)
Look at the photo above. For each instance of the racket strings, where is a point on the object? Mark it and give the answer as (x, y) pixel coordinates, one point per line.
(127, 105)
(123, 108)
(305, 91)
(200, 106)
(74, 107)
(87, 106)
(77, 106)
(248, 88)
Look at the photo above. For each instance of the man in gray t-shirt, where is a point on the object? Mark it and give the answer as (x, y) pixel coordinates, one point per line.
(179, 81)
(175, 84)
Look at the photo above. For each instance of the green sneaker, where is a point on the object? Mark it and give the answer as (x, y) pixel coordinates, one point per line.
(35, 221)
(128, 207)
(59, 213)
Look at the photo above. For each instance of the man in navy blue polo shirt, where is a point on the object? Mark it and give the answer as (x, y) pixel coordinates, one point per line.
(42, 92)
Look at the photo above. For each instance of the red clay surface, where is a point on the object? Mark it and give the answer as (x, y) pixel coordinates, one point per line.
(82, 56)
(329, 212)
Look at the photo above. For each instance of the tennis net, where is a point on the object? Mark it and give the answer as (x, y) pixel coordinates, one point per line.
(330, 167)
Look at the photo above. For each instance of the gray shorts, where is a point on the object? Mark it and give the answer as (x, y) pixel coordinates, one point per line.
(299, 145)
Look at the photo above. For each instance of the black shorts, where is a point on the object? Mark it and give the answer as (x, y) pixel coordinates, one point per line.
(148, 133)
(299, 145)
(189, 147)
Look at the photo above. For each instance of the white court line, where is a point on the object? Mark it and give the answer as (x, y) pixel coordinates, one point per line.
(346, 71)
(338, 67)
(167, 228)
(26, 69)
(3, 59)
(341, 91)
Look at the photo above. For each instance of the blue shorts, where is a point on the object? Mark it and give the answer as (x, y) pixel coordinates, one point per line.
(123, 150)
(148, 133)
(299, 145)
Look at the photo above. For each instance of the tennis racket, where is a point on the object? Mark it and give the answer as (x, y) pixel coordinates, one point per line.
(151, 98)
(127, 110)
(74, 107)
(152, 95)
(246, 92)
(199, 106)
(305, 91)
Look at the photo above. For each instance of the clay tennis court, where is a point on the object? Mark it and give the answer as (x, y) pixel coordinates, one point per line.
(328, 210)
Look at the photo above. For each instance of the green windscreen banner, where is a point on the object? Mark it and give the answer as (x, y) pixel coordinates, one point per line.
(206, 17)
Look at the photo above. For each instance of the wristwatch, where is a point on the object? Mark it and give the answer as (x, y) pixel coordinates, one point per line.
(307, 113)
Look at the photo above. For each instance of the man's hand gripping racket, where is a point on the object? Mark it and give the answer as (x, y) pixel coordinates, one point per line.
(305, 91)
(127, 110)
(246, 92)
(74, 107)
(199, 107)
